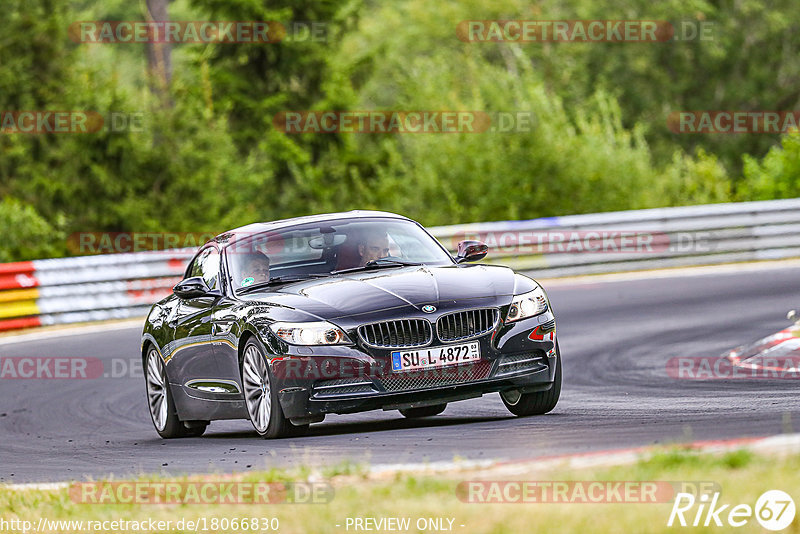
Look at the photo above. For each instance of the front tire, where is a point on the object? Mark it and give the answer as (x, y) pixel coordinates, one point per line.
(162, 406)
(261, 396)
(423, 411)
(536, 403)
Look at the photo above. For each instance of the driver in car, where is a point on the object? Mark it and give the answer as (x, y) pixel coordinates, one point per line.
(255, 269)
(374, 245)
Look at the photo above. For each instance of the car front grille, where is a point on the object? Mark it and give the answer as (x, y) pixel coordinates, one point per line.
(397, 334)
(466, 324)
(431, 378)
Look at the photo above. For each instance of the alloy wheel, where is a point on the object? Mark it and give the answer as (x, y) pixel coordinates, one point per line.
(156, 389)
(257, 390)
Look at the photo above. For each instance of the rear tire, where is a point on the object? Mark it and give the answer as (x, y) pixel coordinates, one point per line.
(261, 396)
(423, 411)
(162, 406)
(536, 403)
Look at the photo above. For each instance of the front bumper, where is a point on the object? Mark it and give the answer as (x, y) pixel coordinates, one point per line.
(520, 356)
(298, 405)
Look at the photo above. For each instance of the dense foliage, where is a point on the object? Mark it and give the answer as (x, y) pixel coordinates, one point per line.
(209, 156)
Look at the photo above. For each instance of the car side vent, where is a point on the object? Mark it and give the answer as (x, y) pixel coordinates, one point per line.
(398, 334)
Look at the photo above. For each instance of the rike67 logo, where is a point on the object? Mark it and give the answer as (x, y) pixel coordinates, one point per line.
(774, 510)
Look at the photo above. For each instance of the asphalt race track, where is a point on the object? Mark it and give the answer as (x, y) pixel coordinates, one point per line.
(615, 337)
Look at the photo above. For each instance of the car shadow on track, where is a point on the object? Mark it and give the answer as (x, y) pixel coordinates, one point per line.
(332, 428)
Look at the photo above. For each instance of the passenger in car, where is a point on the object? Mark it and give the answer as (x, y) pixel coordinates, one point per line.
(256, 269)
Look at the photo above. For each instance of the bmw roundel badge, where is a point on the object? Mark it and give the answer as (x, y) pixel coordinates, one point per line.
(428, 308)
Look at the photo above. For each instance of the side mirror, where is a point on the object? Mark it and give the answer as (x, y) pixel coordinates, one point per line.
(471, 251)
(191, 288)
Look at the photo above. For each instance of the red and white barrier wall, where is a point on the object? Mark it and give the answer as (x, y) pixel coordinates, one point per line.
(87, 288)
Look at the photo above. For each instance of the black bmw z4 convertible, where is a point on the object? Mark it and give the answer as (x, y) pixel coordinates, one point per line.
(284, 322)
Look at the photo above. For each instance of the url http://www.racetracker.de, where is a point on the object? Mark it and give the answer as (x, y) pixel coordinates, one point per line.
(198, 524)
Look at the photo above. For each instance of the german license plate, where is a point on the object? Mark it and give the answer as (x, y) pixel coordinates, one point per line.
(433, 357)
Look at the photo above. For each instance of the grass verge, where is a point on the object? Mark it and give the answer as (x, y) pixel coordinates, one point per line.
(740, 476)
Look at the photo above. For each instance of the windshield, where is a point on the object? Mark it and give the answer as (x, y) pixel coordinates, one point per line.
(321, 248)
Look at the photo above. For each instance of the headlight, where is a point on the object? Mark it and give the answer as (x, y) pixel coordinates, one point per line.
(318, 333)
(527, 305)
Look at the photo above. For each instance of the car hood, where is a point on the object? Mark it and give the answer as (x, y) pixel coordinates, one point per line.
(364, 293)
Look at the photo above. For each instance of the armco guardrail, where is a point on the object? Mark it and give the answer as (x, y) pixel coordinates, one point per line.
(640, 239)
(93, 288)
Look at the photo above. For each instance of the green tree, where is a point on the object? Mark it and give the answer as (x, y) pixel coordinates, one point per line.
(777, 175)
